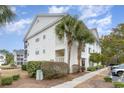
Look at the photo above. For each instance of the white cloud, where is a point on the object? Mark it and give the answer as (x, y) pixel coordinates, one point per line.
(13, 8)
(55, 9)
(18, 26)
(98, 17)
(105, 21)
(93, 11)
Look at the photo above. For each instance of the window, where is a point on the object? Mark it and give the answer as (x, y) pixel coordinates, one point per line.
(1, 57)
(37, 40)
(93, 51)
(27, 44)
(89, 50)
(44, 36)
(37, 52)
(43, 51)
(18, 55)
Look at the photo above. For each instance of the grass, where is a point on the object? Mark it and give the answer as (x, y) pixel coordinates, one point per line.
(9, 73)
(118, 84)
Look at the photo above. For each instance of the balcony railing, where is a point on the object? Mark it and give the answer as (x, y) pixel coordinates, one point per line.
(60, 59)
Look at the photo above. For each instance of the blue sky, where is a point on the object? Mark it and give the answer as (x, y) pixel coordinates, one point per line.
(101, 17)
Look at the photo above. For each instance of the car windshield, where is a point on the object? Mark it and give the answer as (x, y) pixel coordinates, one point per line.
(121, 66)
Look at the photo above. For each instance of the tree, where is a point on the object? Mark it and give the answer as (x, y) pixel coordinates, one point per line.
(9, 56)
(113, 45)
(95, 57)
(6, 15)
(66, 27)
(82, 35)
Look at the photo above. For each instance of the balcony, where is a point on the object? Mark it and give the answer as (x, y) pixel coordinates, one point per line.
(60, 55)
(60, 59)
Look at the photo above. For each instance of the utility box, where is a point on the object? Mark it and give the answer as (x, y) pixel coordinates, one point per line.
(39, 75)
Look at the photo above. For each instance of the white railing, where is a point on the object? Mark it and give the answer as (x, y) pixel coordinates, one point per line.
(60, 59)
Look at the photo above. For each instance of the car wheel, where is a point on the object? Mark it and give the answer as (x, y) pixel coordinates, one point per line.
(119, 73)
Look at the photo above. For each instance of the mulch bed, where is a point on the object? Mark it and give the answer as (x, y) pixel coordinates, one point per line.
(27, 82)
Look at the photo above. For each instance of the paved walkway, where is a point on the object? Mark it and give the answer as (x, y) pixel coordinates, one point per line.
(81, 79)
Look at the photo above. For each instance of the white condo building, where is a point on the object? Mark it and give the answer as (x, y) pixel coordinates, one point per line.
(19, 56)
(2, 58)
(42, 43)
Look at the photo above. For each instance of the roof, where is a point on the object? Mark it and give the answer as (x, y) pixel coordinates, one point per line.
(43, 15)
(95, 33)
(19, 51)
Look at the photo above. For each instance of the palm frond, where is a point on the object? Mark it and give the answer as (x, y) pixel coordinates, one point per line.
(6, 15)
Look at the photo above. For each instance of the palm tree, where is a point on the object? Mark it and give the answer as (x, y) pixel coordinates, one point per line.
(82, 35)
(66, 27)
(6, 15)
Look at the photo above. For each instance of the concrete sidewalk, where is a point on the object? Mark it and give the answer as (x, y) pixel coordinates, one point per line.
(81, 79)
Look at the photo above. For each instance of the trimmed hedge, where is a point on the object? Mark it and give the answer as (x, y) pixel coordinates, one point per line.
(91, 69)
(107, 79)
(32, 67)
(16, 77)
(51, 70)
(24, 67)
(94, 68)
(6, 80)
(118, 85)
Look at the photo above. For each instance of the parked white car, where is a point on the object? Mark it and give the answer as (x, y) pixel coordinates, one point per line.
(118, 70)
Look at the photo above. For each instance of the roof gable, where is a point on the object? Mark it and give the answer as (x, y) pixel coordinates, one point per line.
(42, 21)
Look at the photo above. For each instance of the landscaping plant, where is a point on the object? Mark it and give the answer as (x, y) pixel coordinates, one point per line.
(50, 70)
(107, 79)
(6, 80)
(16, 77)
(118, 84)
(91, 69)
(24, 67)
(32, 67)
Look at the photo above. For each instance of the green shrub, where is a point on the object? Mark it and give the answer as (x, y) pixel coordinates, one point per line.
(24, 67)
(6, 80)
(107, 79)
(91, 69)
(16, 77)
(13, 65)
(32, 67)
(50, 69)
(99, 67)
(118, 85)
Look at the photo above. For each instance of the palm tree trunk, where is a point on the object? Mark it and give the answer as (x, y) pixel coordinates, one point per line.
(69, 45)
(80, 47)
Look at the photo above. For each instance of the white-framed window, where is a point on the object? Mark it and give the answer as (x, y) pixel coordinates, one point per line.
(37, 39)
(89, 50)
(44, 51)
(44, 36)
(37, 52)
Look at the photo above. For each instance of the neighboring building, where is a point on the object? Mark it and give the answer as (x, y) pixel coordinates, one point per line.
(91, 48)
(42, 43)
(19, 57)
(2, 58)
